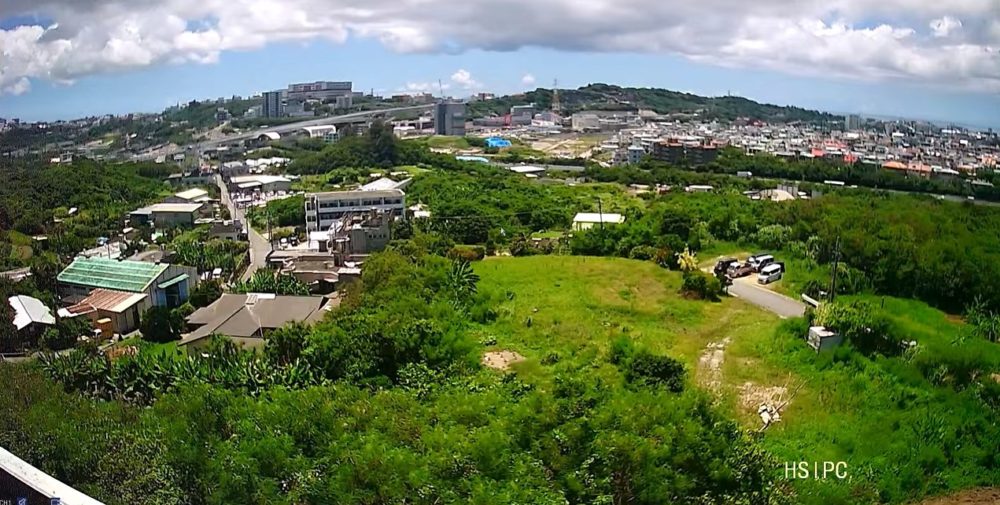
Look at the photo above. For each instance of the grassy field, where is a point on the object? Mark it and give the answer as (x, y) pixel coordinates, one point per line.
(578, 305)
(902, 435)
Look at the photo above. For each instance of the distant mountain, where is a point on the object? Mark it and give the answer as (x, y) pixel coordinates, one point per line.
(611, 98)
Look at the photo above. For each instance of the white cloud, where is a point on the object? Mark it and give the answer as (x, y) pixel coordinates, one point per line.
(418, 88)
(942, 27)
(528, 80)
(463, 78)
(18, 87)
(950, 44)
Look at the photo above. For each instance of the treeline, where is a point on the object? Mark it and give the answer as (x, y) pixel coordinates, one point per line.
(35, 194)
(731, 161)
(944, 253)
(383, 402)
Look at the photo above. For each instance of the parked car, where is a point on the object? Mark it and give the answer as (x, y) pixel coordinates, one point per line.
(737, 270)
(770, 273)
(759, 261)
(722, 266)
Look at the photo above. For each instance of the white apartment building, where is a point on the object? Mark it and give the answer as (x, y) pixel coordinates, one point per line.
(323, 209)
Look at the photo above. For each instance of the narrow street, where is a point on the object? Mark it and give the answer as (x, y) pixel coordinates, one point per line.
(259, 246)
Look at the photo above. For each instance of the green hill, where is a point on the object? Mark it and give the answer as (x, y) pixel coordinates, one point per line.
(616, 98)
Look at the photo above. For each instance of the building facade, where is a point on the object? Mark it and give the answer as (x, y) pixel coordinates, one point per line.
(320, 90)
(273, 105)
(324, 209)
(449, 119)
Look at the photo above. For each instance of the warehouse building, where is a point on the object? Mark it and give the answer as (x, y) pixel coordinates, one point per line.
(164, 285)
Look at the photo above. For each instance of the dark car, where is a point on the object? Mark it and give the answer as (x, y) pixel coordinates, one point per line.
(722, 266)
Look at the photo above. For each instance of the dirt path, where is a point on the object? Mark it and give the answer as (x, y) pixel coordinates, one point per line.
(710, 364)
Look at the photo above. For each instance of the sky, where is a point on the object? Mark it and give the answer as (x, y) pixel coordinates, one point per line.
(61, 59)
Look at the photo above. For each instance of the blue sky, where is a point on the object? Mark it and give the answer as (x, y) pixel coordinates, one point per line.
(371, 65)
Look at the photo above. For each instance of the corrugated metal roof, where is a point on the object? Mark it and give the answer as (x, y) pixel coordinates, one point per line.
(133, 276)
(171, 282)
(109, 300)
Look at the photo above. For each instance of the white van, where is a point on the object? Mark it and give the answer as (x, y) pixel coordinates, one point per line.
(761, 261)
(770, 273)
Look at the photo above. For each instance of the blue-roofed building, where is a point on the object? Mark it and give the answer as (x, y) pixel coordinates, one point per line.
(497, 142)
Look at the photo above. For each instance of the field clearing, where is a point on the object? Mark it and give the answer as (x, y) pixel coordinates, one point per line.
(573, 307)
(902, 436)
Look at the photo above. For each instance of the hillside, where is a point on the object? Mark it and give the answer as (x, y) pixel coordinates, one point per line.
(663, 101)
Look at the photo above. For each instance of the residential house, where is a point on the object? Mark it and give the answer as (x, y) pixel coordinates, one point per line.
(247, 319)
(31, 317)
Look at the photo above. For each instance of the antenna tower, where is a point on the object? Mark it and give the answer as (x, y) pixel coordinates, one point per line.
(556, 106)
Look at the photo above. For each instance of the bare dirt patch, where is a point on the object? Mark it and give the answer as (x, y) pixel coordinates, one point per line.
(501, 360)
(752, 396)
(984, 496)
(710, 363)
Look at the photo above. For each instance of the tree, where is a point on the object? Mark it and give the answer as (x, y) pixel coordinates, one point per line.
(205, 293)
(383, 143)
(266, 281)
(161, 324)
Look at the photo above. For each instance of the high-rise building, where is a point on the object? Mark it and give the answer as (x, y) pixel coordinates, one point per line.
(852, 122)
(272, 106)
(449, 118)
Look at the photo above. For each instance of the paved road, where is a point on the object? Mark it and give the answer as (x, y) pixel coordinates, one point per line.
(259, 246)
(748, 289)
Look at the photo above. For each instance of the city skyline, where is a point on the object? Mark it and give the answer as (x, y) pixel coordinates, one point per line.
(903, 58)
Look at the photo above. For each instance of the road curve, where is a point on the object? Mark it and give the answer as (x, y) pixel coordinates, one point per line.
(748, 289)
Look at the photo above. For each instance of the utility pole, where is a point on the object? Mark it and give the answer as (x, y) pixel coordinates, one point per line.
(600, 213)
(836, 266)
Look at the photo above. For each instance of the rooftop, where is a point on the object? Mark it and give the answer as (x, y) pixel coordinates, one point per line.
(132, 276)
(192, 194)
(263, 179)
(29, 310)
(594, 217)
(246, 315)
(358, 194)
(185, 208)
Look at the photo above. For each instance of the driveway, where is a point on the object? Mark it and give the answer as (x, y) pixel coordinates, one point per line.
(748, 289)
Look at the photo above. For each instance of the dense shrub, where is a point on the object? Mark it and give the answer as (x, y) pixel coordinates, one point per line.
(651, 370)
(700, 285)
(467, 253)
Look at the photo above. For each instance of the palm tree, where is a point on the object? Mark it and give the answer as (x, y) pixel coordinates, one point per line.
(687, 260)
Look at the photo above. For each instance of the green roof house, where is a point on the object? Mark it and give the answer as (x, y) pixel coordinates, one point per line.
(166, 285)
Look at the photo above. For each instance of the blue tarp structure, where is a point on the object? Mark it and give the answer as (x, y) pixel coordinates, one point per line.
(497, 142)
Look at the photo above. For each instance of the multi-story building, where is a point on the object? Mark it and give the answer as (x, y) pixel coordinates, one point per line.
(677, 153)
(635, 154)
(320, 90)
(852, 122)
(324, 209)
(449, 118)
(273, 105)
